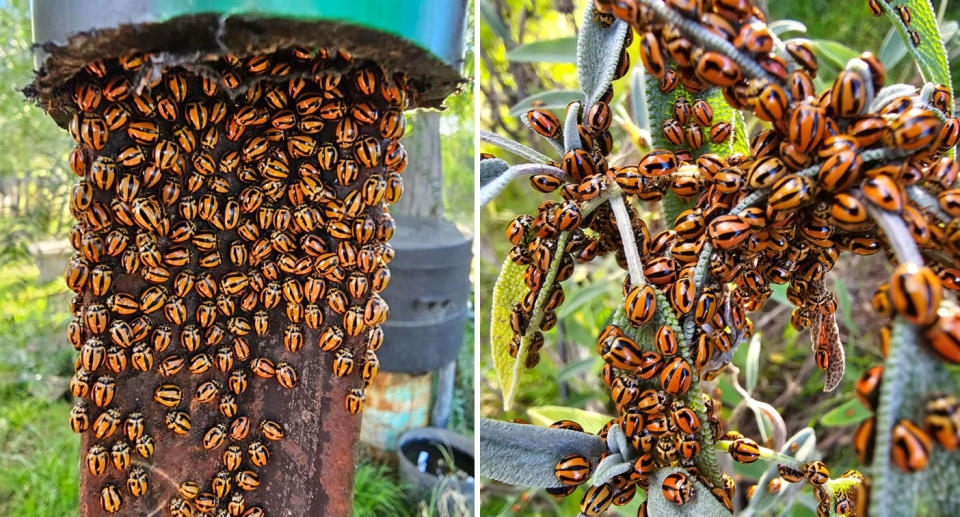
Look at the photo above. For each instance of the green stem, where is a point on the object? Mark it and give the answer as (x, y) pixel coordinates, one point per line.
(766, 454)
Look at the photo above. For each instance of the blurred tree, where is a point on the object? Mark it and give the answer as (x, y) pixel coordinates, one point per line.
(34, 181)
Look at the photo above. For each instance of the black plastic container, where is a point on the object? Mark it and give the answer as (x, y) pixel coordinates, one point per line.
(428, 293)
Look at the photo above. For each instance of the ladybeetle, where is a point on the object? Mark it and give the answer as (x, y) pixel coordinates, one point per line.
(110, 498)
(659, 162)
(676, 376)
(573, 470)
(717, 69)
(666, 341)
(652, 56)
(913, 130)
(849, 96)
(640, 304)
(942, 420)
(677, 488)
(868, 386)
(910, 447)
(806, 127)
(915, 293)
(744, 450)
(943, 338)
(883, 191)
(728, 231)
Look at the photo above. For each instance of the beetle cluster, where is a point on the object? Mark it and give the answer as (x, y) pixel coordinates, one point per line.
(911, 443)
(688, 122)
(217, 212)
(811, 188)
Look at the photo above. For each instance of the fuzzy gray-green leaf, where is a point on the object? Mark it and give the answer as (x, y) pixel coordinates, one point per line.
(703, 504)
(491, 168)
(598, 52)
(526, 455)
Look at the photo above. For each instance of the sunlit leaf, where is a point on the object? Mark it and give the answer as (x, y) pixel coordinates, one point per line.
(930, 55)
(493, 20)
(850, 412)
(892, 50)
(751, 369)
(560, 50)
(550, 100)
(834, 52)
(508, 290)
(546, 415)
(779, 27)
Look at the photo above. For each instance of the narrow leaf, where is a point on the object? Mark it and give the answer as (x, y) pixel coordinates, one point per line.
(526, 455)
(598, 52)
(806, 442)
(850, 412)
(492, 19)
(892, 50)
(512, 146)
(577, 367)
(930, 55)
(495, 183)
(508, 290)
(780, 27)
(560, 50)
(549, 100)
(638, 100)
(589, 420)
(834, 52)
(571, 136)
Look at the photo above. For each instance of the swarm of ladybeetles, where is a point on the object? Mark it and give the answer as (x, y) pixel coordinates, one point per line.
(214, 211)
(780, 215)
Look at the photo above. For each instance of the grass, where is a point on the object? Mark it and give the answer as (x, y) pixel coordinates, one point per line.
(39, 463)
(376, 492)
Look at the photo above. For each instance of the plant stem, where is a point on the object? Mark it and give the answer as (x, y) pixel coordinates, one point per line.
(634, 266)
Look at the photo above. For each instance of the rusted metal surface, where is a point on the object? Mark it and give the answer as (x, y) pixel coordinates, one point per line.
(317, 450)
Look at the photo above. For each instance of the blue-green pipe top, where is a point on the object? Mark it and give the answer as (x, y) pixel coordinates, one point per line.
(434, 25)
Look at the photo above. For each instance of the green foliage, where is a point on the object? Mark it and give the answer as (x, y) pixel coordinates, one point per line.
(456, 139)
(376, 492)
(560, 50)
(39, 470)
(34, 179)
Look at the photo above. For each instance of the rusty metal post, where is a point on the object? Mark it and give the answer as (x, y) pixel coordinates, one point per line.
(310, 469)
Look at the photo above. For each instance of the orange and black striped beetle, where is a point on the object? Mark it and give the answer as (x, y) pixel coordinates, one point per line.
(910, 447)
(744, 450)
(677, 488)
(596, 499)
(573, 470)
(110, 498)
(868, 386)
(915, 293)
(942, 420)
